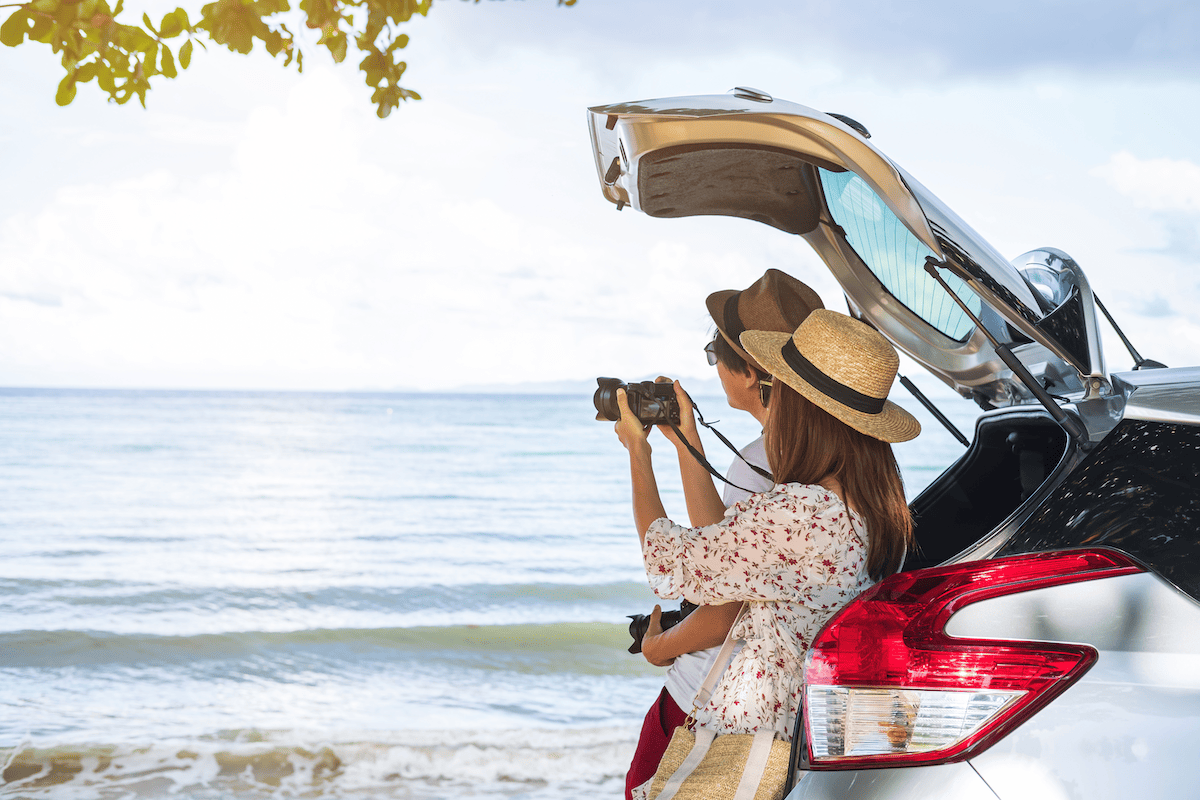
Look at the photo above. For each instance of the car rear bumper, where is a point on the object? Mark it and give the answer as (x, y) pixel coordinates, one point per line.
(950, 781)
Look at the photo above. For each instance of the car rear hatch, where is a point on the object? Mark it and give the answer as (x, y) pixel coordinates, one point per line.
(745, 154)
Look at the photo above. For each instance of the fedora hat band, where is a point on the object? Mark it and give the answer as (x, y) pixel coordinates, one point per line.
(733, 323)
(830, 387)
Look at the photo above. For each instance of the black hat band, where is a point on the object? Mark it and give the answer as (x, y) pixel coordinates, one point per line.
(828, 386)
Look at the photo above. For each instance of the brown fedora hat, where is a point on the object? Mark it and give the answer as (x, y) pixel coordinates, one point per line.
(774, 302)
(842, 365)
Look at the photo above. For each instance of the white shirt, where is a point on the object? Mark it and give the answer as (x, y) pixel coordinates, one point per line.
(688, 671)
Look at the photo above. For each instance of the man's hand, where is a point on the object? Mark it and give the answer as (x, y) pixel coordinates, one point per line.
(687, 419)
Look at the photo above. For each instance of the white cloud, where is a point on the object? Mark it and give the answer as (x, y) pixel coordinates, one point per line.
(1158, 184)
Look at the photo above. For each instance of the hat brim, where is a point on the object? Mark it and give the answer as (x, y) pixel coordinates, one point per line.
(892, 424)
(716, 309)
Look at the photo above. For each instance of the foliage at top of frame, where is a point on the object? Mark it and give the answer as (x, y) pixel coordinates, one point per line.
(122, 58)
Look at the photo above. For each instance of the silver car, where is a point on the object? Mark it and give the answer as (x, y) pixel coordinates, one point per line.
(1044, 642)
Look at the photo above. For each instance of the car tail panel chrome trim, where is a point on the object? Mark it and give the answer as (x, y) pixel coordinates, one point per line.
(1161, 395)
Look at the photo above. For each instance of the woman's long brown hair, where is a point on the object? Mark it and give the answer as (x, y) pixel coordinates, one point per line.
(806, 444)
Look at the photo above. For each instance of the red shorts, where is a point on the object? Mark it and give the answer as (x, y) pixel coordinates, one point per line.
(661, 721)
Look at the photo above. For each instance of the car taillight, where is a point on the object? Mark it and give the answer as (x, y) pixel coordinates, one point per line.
(887, 686)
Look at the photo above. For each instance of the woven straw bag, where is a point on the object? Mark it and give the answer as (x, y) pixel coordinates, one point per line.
(735, 766)
(702, 766)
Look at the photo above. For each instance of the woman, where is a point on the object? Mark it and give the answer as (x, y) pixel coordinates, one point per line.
(774, 302)
(835, 521)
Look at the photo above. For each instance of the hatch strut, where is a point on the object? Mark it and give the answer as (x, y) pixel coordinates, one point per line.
(1071, 425)
(932, 409)
(1138, 361)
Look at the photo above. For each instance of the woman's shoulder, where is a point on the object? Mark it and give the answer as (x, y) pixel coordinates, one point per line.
(811, 492)
(810, 496)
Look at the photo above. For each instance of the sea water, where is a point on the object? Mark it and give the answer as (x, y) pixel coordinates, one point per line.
(267, 595)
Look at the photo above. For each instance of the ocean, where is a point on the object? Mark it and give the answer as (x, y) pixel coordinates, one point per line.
(285, 594)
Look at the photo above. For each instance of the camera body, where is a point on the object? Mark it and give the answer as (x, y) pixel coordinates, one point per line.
(669, 619)
(652, 403)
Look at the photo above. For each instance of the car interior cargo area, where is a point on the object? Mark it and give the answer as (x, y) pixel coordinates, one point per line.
(1011, 455)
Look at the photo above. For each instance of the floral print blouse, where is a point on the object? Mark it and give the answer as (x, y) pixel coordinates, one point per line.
(798, 555)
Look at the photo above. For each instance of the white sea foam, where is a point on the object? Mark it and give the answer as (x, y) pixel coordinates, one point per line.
(561, 763)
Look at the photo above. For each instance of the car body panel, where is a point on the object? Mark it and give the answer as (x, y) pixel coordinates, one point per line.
(959, 781)
(1138, 492)
(1126, 727)
(1161, 395)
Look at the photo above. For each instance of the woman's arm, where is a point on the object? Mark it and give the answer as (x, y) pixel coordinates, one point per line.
(647, 505)
(705, 627)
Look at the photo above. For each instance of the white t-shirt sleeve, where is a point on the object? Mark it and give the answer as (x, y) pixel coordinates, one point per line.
(741, 474)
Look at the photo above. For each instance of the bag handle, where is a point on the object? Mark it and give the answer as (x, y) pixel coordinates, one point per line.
(704, 693)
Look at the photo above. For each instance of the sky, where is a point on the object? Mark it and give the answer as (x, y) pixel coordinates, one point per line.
(260, 229)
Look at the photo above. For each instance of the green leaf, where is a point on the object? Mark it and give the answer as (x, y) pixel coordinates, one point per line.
(64, 15)
(149, 25)
(12, 32)
(86, 72)
(185, 54)
(151, 62)
(168, 63)
(41, 28)
(104, 78)
(66, 90)
(338, 47)
(171, 26)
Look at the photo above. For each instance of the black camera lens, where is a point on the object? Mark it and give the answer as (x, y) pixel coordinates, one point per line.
(605, 398)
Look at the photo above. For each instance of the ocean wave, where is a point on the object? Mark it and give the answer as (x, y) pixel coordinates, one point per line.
(548, 763)
(117, 608)
(110, 593)
(590, 648)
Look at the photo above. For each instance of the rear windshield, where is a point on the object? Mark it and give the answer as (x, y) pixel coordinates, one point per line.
(895, 256)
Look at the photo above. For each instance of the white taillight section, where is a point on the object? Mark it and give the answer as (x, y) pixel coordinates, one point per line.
(886, 686)
(856, 722)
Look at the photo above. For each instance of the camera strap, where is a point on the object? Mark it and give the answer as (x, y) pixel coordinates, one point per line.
(729, 444)
(704, 461)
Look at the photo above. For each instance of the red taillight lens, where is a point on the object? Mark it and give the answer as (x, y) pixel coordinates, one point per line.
(886, 686)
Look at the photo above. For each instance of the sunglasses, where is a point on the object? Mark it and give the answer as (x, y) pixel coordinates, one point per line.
(764, 392)
(710, 350)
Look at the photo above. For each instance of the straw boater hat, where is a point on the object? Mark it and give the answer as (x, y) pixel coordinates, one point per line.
(842, 365)
(774, 302)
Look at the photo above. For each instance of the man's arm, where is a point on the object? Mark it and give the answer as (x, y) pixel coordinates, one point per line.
(704, 504)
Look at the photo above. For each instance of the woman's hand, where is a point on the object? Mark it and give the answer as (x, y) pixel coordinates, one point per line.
(647, 505)
(687, 419)
(629, 428)
(650, 640)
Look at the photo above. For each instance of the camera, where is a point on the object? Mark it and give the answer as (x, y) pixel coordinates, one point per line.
(652, 403)
(637, 628)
